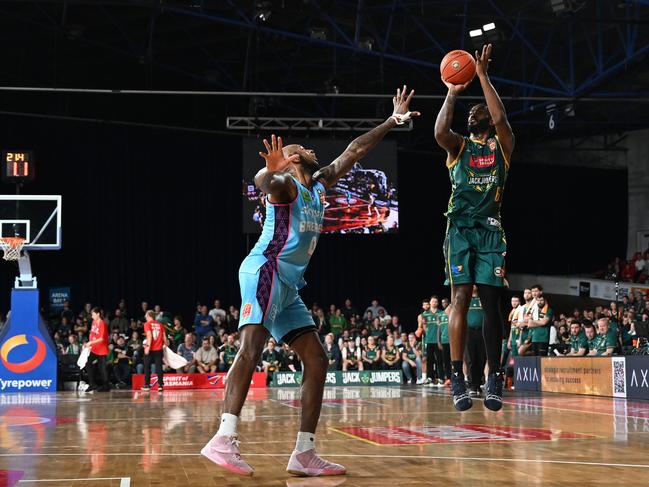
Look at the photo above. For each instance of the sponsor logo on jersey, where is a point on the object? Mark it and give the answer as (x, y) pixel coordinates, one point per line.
(247, 309)
(483, 161)
(499, 272)
(322, 196)
(273, 312)
(483, 180)
(494, 222)
(456, 269)
(491, 142)
(312, 212)
(306, 195)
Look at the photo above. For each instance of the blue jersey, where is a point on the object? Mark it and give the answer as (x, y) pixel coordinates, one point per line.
(289, 236)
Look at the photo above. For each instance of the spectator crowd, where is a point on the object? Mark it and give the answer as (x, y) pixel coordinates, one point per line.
(635, 269)
(369, 339)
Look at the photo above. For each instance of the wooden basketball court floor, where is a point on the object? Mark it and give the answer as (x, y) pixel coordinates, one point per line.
(386, 436)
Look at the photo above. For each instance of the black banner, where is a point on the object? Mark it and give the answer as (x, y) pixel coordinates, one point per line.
(637, 377)
(527, 373)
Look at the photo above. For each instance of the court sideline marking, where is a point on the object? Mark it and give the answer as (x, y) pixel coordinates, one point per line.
(346, 455)
(123, 481)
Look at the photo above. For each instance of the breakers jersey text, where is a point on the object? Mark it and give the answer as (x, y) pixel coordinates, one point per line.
(289, 236)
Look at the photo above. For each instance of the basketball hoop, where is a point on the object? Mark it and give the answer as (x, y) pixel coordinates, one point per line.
(12, 246)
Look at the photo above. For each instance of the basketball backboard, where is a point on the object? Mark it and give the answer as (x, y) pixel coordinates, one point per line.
(36, 218)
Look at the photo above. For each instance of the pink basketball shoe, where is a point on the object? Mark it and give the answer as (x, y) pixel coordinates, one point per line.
(309, 464)
(224, 451)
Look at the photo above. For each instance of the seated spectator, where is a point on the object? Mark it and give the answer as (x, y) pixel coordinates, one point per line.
(411, 360)
(232, 320)
(349, 309)
(119, 322)
(227, 354)
(641, 326)
(122, 363)
(187, 350)
(377, 330)
(337, 322)
(177, 333)
(203, 324)
(220, 324)
(206, 357)
(394, 325)
(81, 330)
(67, 312)
(351, 356)
(390, 355)
(290, 361)
(591, 336)
(218, 311)
(270, 359)
(58, 343)
(578, 341)
(73, 347)
(605, 341)
(64, 327)
(374, 308)
(368, 318)
(321, 322)
(333, 352)
(384, 318)
(371, 355)
(402, 341)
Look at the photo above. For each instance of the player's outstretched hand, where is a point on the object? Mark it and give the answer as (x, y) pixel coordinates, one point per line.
(401, 104)
(482, 60)
(274, 157)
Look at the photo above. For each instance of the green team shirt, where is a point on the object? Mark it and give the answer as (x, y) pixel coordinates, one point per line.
(431, 326)
(370, 353)
(477, 180)
(442, 318)
(515, 333)
(475, 316)
(602, 342)
(229, 354)
(390, 353)
(351, 355)
(578, 341)
(337, 324)
(541, 334)
(410, 353)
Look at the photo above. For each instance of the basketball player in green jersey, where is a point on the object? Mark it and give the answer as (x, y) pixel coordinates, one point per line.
(475, 246)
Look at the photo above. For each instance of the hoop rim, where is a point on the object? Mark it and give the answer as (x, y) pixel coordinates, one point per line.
(12, 241)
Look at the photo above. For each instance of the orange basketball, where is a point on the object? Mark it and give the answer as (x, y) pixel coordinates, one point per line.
(457, 67)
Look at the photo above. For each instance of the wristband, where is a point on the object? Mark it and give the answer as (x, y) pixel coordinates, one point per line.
(401, 118)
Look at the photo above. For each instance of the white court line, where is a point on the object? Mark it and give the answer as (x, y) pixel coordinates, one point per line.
(124, 481)
(347, 455)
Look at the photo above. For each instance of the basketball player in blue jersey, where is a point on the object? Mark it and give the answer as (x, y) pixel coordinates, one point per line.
(270, 278)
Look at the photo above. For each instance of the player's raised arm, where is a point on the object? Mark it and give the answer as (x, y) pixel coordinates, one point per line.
(366, 142)
(445, 137)
(273, 179)
(494, 103)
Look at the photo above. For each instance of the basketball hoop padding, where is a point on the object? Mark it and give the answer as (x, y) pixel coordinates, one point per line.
(12, 247)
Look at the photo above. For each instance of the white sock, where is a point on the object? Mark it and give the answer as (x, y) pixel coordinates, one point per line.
(423, 375)
(228, 425)
(305, 442)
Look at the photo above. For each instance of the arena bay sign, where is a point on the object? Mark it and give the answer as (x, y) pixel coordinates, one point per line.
(338, 378)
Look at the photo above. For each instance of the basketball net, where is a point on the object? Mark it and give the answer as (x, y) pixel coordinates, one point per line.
(12, 247)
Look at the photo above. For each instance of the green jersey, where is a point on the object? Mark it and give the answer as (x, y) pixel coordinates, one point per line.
(410, 352)
(229, 353)
(578, 341)
(478, 177)
(337, 324)
(602, 342)
(442, 318)
(515, 334)
(475, 316)
(390, 353)
(431, 326)
(541, 334)
(371, 353)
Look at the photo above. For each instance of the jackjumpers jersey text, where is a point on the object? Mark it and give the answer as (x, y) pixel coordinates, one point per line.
(289, 236)
(478, 177)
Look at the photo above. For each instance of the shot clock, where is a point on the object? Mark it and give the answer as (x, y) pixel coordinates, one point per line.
(17, 166)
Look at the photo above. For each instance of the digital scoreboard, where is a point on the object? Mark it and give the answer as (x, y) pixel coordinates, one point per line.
(17, 166)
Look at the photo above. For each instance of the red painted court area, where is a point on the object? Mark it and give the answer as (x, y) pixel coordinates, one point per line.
(459, 433)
